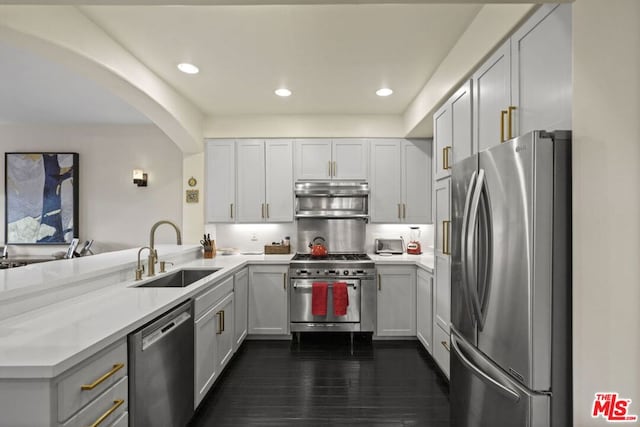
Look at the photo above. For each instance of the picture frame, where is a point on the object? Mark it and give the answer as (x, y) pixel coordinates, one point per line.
(41, 198)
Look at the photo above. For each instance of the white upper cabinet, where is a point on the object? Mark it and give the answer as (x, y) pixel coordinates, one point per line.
(400, 181)
(541, 71)
(461, 119)
(265, 181)
(278, 181)
(324, 159)
(526, 84)
(442, 141)
(220, 181)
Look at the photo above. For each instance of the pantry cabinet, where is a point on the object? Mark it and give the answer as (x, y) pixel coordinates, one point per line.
(322, 159)
(264, 181)
(400, 181)
(396, 301)
(268, 300)
(220, 186)
(424, 309)
(526, 84)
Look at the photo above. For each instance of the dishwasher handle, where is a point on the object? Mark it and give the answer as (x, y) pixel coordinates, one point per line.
(164, 329)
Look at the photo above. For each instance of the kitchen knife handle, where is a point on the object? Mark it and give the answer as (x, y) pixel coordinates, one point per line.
(510, 121)
(503, 113)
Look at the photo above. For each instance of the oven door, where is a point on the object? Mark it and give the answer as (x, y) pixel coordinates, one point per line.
(300, 302)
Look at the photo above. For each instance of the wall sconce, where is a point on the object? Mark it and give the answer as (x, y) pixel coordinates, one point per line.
(139, 178)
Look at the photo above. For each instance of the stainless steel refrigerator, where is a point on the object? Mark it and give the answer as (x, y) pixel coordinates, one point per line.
(511, 284)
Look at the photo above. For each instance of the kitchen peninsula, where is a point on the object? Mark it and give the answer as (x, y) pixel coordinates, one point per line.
(64, 324)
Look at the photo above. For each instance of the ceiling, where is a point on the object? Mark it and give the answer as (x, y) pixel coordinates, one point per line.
(333, 58)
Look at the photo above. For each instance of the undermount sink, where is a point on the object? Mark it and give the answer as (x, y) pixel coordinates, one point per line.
(179, 279)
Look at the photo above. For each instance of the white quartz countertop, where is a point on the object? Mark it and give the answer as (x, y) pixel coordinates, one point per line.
(46, 341)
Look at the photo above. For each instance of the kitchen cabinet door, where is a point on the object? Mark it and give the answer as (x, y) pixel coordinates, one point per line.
(491, 96)
(206, 350)
(442, 141)
(268, 300)
(241, 305)
(251, 181)
(350, 159)
(220, 183)
(441, 349)
(424, 310)
(278, 181)
(442, 197)
(225, 337)
(461, 119)
(541, 82)
(443, 291)
(385, 200)
(416, 181)
(396, 301)
(312, 159)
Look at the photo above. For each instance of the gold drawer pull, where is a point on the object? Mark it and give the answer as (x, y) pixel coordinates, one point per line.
(503, 113)
(445, 345)
(100, 380)
(510, 121)
(116, 405)
(446, 250)
(220, 323)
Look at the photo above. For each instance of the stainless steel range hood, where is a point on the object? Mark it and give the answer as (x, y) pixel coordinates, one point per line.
(332, 200)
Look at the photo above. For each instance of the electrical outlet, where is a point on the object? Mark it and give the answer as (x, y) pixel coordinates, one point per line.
(254, 238)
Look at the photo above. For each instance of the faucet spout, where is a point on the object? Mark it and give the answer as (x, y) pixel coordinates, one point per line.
(139, 267)
(158, 224)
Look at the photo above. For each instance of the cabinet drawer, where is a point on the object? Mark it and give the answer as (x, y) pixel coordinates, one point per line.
(109, 407)
(123, 421)
(96, 375)
(441, 347)
(207, 299)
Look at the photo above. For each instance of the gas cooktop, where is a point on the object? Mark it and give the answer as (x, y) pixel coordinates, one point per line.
(332, 257)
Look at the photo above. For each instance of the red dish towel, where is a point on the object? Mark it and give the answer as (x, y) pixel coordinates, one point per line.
(340, 298)
(319, 298)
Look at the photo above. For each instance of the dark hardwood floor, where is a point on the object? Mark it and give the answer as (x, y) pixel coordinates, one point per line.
(321, 382)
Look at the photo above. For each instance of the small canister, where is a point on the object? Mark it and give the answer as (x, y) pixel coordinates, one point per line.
(286, 241)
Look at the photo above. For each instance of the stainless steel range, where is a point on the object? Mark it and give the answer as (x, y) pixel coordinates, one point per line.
(338, 213)
(356, 270)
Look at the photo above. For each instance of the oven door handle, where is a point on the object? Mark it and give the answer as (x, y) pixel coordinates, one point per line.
(330, 285)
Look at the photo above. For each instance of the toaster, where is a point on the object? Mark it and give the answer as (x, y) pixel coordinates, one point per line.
(389, 246)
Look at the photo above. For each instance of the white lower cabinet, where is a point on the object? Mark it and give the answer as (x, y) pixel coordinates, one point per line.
(240, 306)
(424, 310)
(214, 336)
(441, 348)
(268, 300)
(396, 301)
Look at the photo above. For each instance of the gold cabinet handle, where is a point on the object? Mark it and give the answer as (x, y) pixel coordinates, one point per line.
(446, 164)
(102, 379)
(220, 325)
(284, 281)
(503, 113)
(231, 210)
(267, 210)
(445, 345)
(262, 208)
(379, 282)
(446, 224)
(223, 319)
(511, 109)
(404, 211)
(399, 211)
(329, 168)
(335, 169)
(116, 405)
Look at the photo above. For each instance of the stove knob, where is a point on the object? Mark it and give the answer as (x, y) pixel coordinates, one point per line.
(346, 272)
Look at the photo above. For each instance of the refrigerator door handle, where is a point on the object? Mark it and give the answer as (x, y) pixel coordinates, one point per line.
(486, 252)
(465, 255)
(472, 285)
(503, 388)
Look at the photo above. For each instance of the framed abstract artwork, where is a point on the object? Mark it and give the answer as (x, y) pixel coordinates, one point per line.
(41, 198)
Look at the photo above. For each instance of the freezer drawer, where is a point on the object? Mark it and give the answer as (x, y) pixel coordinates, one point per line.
(484, 396)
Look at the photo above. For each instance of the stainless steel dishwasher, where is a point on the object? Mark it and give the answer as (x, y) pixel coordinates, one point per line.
(161, 370)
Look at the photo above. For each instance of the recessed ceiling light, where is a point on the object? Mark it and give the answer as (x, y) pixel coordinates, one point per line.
(185, 67)
(385, 91)
(282, 92)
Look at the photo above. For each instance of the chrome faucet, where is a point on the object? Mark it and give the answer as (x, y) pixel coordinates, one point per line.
(140, 268)
(153, 254)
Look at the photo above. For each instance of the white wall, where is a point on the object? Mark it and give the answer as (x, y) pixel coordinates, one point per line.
(113, 211)
(606, 203)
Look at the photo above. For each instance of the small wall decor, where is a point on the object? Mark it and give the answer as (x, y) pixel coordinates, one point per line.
(41, 204)
(193, 196)
(192, 182)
